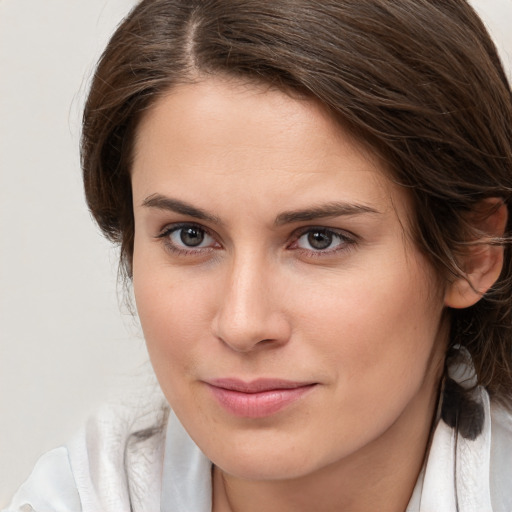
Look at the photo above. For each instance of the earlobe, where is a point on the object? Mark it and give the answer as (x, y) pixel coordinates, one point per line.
(483, 261)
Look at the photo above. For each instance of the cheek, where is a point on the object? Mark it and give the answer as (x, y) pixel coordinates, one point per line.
(378, 325)
(168, 320)
(170, 315)
(165, 308)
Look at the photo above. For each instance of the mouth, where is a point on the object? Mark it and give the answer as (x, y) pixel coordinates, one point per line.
(259, 398)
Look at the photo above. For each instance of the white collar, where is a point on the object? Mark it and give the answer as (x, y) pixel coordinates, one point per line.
(186, 475)
(456, 467)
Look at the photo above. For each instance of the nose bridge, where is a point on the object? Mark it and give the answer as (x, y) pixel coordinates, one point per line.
(248, 313)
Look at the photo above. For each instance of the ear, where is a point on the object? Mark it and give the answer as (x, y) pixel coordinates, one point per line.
(483, 261)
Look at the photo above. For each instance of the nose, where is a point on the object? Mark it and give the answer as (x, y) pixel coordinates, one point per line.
(250, 310)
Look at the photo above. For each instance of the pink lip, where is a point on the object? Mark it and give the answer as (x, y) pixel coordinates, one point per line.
(258, 398)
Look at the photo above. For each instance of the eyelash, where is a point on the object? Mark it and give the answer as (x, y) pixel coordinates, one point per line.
(346, 240)
(169, 245)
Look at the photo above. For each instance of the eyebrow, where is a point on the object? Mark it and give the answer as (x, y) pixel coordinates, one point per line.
(175, 205)
(332, 209)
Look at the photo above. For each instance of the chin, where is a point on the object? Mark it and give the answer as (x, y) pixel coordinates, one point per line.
(266, 457)
(264, 468)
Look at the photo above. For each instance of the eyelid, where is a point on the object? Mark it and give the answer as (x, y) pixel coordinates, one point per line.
(168, 229)
(343, 233)
(348, 240)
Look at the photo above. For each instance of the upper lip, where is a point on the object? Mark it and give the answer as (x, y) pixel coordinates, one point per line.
(257, 385)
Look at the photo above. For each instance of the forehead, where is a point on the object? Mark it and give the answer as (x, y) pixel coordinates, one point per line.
(229, 139)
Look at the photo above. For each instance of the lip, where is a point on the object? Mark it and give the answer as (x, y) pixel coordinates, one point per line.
(258, 398)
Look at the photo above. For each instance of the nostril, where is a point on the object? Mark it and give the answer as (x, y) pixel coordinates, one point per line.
(246, 344)
(266, 341)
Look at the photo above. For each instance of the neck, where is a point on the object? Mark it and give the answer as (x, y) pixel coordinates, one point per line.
(381, 476)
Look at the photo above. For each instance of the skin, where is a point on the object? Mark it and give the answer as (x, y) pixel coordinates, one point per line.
(362, 319)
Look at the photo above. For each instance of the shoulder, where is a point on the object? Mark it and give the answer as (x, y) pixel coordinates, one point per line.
(112, 464)
(117, 457)
(501, 458)
(50, 487)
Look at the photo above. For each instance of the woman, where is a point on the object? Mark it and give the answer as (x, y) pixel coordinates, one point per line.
(312, 202)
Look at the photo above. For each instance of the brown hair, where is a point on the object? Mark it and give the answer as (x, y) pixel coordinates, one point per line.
(419, 81)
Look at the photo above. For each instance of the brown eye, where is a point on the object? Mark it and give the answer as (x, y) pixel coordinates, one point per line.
(183, 237)
(191, 236)
(320, 240)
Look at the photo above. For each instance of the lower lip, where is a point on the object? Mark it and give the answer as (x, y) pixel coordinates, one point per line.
(258, 405)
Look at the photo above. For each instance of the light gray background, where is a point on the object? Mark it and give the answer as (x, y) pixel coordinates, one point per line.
(65, 343)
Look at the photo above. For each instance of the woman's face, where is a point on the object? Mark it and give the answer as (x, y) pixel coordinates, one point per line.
(291, 322)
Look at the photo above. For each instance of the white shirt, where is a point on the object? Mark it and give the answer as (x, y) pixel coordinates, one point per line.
(121, 461)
